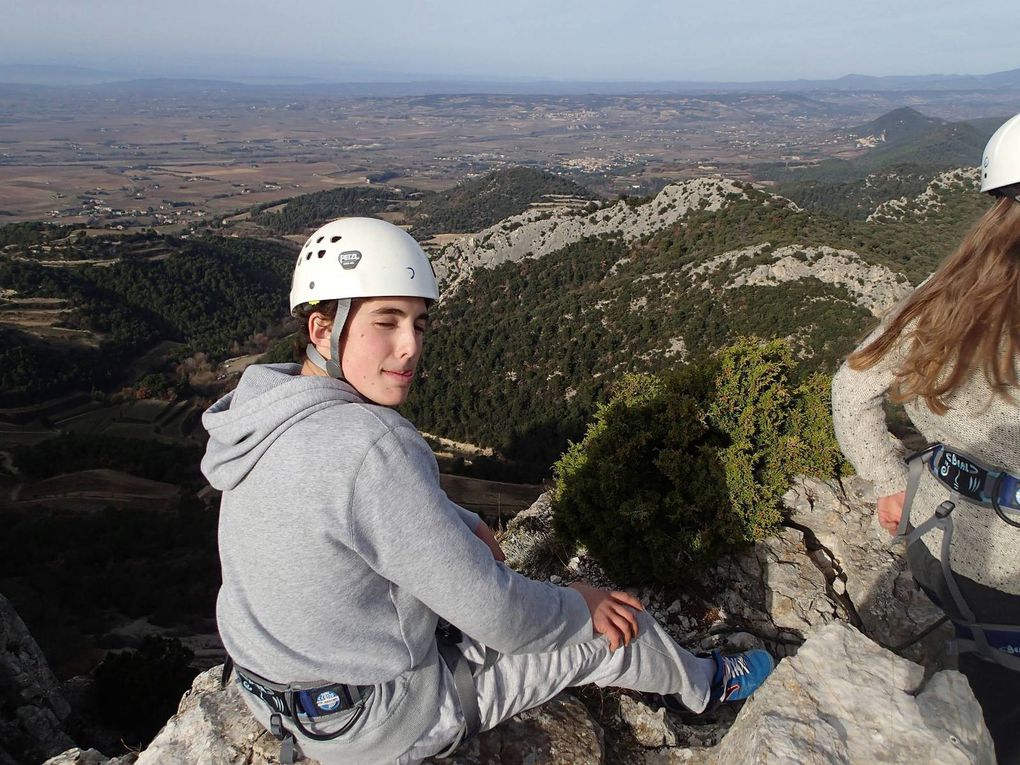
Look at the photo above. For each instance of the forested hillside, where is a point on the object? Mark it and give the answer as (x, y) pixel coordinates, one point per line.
(467, 207)
(906, 151)
(480, 203)
(203, 293)
(311, 210)
(517, 358)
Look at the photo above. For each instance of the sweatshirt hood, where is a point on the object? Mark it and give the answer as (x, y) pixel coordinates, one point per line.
(268, 399)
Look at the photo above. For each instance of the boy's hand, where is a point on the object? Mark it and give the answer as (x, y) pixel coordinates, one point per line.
(483, 532)
(612, 613)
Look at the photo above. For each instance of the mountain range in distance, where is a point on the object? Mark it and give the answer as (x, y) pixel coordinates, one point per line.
(368, 83)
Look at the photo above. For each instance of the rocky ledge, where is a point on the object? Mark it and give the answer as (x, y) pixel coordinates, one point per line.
(826, 594)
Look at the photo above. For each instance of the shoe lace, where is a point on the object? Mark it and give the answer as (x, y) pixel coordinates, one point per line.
(734, 666)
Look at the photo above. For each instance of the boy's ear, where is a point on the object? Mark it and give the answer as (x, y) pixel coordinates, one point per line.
(319, 328)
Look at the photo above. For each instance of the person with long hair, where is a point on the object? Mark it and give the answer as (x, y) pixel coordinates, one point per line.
(950, 354)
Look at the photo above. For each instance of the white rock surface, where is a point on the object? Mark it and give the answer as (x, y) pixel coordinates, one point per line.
(844, 700)
(892, 609)
(775, 587)
(876, 288)
(930, 201)
(535, 232)
(650, 727)
(78, 756)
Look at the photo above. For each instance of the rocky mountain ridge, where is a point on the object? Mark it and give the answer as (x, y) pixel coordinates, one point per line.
(823, 594)
(932, 200)
(540, 231)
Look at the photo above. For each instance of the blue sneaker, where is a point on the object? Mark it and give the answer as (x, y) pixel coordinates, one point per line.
(740, 675)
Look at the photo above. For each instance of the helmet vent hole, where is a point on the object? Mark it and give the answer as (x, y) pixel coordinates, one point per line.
(334, 239)
(319, 239)
(321, 253)
(308, 255)
(311, 285)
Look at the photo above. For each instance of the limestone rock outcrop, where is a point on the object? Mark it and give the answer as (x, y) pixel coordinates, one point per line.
(865, 564)
(844, 699)
(32, 708)
(538, 232)
(213, 726)
(78, 756)
(839, 698)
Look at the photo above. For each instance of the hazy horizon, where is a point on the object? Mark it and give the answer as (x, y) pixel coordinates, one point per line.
(527, 41)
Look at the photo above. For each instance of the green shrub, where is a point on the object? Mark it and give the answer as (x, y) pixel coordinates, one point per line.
(678, 468)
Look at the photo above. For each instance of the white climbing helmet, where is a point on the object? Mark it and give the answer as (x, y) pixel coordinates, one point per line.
(361, 257)
(1000, 165)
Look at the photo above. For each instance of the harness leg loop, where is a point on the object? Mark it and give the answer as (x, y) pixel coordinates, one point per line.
(284, 736)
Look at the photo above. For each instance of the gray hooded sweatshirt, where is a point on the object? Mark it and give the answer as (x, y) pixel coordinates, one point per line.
(339, 551)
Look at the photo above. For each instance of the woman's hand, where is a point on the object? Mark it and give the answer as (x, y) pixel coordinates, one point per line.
(483, 532)
(612, 613)
(890, 510)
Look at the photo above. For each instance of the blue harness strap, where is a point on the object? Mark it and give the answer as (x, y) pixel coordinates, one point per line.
(970, 478)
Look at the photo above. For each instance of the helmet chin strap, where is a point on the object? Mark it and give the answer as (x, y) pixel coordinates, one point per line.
(331, 366)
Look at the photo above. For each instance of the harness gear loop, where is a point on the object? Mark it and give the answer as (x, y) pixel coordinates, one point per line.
(983, 487)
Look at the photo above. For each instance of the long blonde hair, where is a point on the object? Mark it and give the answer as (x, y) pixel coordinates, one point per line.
(966, 317)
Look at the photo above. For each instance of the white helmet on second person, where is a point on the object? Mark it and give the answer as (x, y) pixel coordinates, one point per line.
(1000, 165)
(361, 257)
(357, 258)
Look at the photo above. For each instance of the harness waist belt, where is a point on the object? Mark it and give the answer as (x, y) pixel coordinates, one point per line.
(972, 479)
(311, 702)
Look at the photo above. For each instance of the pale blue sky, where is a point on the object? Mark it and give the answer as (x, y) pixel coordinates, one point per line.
(741, 40)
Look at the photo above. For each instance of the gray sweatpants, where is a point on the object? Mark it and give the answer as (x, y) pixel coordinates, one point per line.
(653, 663)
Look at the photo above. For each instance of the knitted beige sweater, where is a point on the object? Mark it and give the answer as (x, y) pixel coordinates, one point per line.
(978, 423)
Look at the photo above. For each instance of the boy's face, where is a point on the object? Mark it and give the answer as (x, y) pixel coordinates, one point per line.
(381, 345)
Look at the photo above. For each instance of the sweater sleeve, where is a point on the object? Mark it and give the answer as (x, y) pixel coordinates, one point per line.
(471, 520)
(409, 532)
(859, 420)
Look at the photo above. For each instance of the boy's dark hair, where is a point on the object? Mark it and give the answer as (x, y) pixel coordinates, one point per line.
(301, 340)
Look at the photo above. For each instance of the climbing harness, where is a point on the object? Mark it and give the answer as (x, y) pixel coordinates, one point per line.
(968, 479)
(318, 702)
(448, 639)
(315, 702)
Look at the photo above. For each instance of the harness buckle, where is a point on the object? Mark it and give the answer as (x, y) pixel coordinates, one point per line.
(945, 509)
(276, 725)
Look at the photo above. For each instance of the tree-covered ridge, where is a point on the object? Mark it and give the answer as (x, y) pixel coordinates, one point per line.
(206, 294)
(856, 199)
(518, 357)
(480, 203)
(898, 126)
(34, 232)
(467, 207)
(907, 150)
(311, 210)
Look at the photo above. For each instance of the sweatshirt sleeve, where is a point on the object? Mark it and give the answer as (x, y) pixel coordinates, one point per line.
(859, 420)
(409, 532)
(471, 520)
